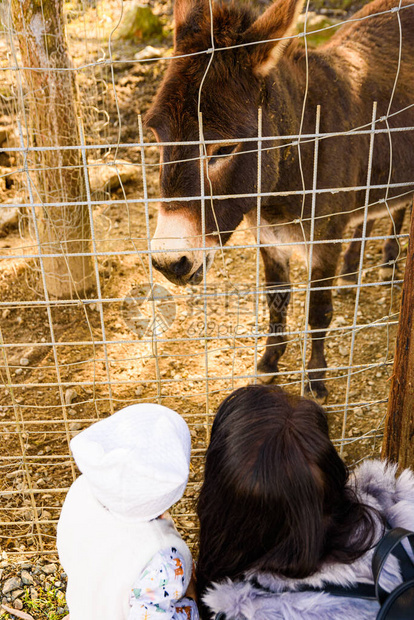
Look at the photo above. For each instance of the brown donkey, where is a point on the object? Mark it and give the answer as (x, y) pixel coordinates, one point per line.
(252, 66)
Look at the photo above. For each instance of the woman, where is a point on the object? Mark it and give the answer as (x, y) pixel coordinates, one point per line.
(279, 513)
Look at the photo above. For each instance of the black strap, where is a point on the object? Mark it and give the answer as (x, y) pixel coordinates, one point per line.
(391, 544)
(360, 590)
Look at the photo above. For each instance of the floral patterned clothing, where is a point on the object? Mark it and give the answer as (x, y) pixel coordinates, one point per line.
(159, 591)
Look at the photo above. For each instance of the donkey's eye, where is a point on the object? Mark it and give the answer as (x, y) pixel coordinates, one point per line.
(221, 152)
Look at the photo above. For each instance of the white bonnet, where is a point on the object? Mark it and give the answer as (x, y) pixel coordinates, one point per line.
(136, 461)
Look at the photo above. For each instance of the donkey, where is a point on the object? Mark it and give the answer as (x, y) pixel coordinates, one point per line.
(258, 63)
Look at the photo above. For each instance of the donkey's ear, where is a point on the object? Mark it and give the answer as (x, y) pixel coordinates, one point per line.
(188, 15)
(277, 22)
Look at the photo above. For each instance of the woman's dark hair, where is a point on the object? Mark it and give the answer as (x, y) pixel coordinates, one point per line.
(275, 497)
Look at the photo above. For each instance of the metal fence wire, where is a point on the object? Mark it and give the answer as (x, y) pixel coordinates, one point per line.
(65, 363)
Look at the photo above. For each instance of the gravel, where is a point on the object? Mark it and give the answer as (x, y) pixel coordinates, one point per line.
(23, 582)
(11, 584)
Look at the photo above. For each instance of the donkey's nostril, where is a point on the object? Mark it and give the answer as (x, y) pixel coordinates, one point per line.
(181, 267)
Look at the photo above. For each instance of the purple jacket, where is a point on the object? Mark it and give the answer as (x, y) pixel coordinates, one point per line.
(377, 486)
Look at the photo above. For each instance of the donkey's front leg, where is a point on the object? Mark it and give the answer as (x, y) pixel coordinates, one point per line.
(320, 316)
(276, 266)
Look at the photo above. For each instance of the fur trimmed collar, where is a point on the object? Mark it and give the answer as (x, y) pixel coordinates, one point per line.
(376, 484)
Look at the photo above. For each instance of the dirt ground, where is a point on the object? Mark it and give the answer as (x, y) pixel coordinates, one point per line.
(58, 390)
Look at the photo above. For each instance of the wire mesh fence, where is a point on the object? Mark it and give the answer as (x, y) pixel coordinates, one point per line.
(130, 335)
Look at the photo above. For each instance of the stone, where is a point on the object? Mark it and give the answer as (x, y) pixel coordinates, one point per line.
(5, 132)
(27, 578)
(75, 426)
(17, 593)
(17, 604)
(70, 395)
(14, 583)
(149, 52)
(105, 175)
(9, 219)
(24, 361)
(49, 569)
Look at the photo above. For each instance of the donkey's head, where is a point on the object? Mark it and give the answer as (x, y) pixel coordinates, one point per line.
(227, 89)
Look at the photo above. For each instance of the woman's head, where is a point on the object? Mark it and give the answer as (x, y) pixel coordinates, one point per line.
(274, 497)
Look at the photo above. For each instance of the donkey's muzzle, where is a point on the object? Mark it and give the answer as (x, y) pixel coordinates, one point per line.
(175, 270)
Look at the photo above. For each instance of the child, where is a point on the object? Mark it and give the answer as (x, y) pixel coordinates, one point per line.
(122, 555)
(280, 514)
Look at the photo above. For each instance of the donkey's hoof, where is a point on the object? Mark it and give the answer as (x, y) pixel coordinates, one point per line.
(317, 391)
(265, 379)
(265, 372)
(386, 273)
(346, 281)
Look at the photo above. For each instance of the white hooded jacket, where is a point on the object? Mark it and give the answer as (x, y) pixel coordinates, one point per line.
(134, 466)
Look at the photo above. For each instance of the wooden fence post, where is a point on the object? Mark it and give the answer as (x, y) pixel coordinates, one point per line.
(53, 122)
(398, 444)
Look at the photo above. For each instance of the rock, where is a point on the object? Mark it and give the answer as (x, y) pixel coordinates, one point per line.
(139, 390)
(17, 593)
(149, 52)
(49, 569)
(24, 361)
(70, 395)
(26, 565)
(27, 578)
(75, 426)
(104, 176)
(17, 604)
(140, 23)
(5, 132)
(9, 219)
(33, 594)
(12, 584)
(18, 371)
(343, 350)
(5, 313)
